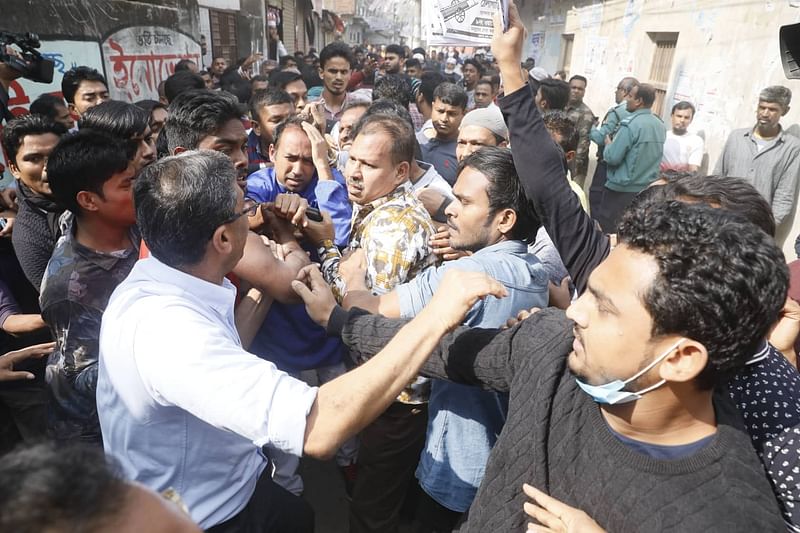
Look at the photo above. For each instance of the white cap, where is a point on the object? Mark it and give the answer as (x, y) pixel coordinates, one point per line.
(538, 73)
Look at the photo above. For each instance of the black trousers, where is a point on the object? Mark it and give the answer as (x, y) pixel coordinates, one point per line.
(433, 517)
(612, 206)
(23, 415)
(597, 186)
(271, 509)
(388, 455)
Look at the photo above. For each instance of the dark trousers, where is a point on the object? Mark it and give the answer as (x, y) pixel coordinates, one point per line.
(23, 414)
(271, 509)
(388, 455)
(433, 517)
(612, 206)
(597, 186)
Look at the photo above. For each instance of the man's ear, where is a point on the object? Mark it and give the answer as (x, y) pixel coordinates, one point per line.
(272, 152)
(403, 172)
(12, 167)
(256, 127)
(221, 240)
(179, 149)
(87, 200)
(506, 219)
(685, 363)
(570, 155)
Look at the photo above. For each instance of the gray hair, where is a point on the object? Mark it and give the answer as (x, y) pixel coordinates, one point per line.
(181, 200)
(776, 94)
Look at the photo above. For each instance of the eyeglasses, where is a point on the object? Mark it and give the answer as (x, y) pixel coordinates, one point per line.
(250, 209)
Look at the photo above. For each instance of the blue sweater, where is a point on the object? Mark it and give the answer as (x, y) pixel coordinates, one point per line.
(288, 337)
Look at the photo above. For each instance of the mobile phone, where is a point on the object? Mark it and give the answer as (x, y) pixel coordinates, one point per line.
(3, 223)
(313, 214)
(504, 14)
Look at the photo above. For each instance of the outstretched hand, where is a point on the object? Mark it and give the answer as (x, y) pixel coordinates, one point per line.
(7, 361)
(457, 293)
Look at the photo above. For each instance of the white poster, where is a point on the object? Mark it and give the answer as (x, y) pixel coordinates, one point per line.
(459, 22)
(595, 54)
(139, 58)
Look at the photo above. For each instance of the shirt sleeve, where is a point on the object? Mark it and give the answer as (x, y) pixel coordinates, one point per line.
(598, 135)
(614, 153)
(330, 257)
(415, 295)
(332, 198)
(8, 304)
(257, 188)
(190, 363)
(786, 189)
(395, 241)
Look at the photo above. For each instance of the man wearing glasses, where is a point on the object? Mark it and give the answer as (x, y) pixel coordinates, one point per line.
(609, 127)
(183, 405)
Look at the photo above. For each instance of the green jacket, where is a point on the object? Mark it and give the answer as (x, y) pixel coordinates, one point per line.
(635, 153)
(609, 126)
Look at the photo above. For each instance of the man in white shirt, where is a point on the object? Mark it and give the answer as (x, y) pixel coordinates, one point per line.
(183, 405)
(683, 151)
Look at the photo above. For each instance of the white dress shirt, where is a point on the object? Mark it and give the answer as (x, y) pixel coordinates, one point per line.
(181, 403)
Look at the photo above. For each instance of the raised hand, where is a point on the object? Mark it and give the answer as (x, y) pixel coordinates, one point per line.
(507, 48)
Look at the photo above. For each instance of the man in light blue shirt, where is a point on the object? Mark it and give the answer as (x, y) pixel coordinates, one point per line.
(491, 218)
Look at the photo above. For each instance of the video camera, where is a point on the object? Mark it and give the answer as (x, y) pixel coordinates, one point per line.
(29, 62)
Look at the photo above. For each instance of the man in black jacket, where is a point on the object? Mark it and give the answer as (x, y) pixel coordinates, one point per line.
(658, 328)
(28, 141)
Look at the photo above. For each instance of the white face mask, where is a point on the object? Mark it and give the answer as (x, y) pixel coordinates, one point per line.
(612, 393)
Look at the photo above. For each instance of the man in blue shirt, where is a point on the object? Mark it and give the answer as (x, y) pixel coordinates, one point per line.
(288, 337)
(492, 218)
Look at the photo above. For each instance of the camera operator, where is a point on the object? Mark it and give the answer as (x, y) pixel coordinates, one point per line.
(7, 75)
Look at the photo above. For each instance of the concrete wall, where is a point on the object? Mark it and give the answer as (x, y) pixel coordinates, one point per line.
(726, 53)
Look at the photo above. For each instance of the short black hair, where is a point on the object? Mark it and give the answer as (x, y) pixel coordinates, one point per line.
(397, 50)
(413, 63)
(400, 131)
(505, 189)
(451, 94)
(429, 81)
(180, 82)
(280, 79)
(289, 122)
(183, 65)
(196, 114)
(15, 131)
(84, 161)
(284, 60)
(475, 63)
(74, 77)
(721, 280)
(180, 202)
(682, 105)
(336, 49)
(726, 192)
(50, 487)
(268, 97)
(260, 77)
(117, 118)
(646, 93)
(559, 122)
(393, 87)
(47, 105)
(386, 106)
(484, 81)
(579, 78)
(149, 105)
(554, 92)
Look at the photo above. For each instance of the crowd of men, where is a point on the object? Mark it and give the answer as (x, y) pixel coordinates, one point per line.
(390, 260)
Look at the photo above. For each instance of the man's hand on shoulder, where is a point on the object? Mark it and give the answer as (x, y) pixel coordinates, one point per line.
(457, 293)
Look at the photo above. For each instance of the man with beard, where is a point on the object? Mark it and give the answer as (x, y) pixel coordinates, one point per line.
(683, 151)
(764, 155)
(335, 67)
(449, 106)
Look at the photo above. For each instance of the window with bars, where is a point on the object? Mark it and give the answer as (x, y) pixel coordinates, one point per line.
(223, 35)
(661, 68)
(567, 41)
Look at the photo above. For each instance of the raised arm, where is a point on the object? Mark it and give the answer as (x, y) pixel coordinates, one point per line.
(540, 165)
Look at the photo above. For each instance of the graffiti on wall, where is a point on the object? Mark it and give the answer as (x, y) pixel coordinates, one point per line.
(139, 58)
